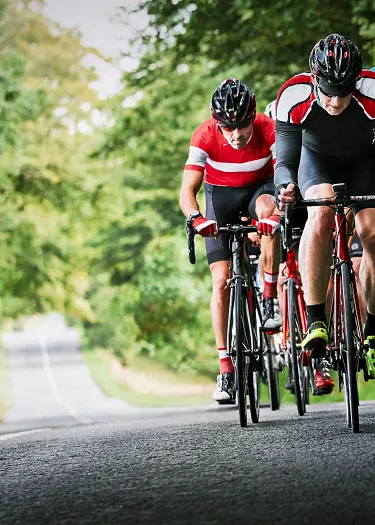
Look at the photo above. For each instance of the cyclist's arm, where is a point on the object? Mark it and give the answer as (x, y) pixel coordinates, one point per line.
(191, 183)
(288, 152)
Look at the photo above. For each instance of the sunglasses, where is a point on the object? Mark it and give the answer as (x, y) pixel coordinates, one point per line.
(343, 93)
(239, 126)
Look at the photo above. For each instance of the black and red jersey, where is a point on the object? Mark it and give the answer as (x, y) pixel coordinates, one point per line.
(224, 165)
(300, 119)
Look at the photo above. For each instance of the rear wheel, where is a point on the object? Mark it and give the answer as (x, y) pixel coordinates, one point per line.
(295, 348)
(351, 357)
(306, 385)
(272, 375)
(254, 394)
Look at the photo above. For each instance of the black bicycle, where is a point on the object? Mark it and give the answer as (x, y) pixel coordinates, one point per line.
(246, 341)
(273, 356)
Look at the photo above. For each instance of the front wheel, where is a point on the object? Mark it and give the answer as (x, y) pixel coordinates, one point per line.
(295, 348)
(242, 365)
(348, 415)
(350, 360)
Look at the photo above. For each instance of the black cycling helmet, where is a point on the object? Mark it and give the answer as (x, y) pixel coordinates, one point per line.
(233, 104)
(336, 62)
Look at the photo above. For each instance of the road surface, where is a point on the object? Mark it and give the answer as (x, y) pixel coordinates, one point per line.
(79, 458)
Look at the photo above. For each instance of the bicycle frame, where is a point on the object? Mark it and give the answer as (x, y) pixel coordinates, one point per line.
(291, 272)
(294, 318)
(238, 272)
(341, 255)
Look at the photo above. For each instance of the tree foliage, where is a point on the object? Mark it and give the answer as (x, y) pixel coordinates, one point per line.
(271, 39)
(90, 222)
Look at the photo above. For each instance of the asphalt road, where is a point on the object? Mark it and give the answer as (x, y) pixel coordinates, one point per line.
(193, 466)
(69, 455)
(50, 382)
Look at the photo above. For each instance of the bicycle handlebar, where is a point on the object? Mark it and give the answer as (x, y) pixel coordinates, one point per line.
(191, 245)
(344, 200)
(230, 228)
(340, 200)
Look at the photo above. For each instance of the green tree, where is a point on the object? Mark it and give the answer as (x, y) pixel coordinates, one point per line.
(46, 197)
(272, 39)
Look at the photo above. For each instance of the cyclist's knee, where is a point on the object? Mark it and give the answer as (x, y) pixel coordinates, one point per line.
(321, 220)
(265, 206)
(367, 236)
(365, 229)
(220, 275)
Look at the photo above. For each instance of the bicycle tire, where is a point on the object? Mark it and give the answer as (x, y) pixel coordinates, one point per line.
(231, 340)
(306, 385)
(351, 368)
(254, 394)
(255, 346)
(295, 339)
(273, 377)
(347, 403)
(242, 368)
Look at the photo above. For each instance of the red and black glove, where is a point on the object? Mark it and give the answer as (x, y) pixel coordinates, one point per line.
(268, 226)
(205, 227)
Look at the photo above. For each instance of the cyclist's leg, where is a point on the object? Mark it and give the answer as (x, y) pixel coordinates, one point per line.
(262, 206)
(223, 205)
(316, 175)
(361, 183)
(365, 220)
(356, 253)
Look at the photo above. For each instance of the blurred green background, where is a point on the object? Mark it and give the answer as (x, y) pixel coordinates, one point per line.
(90, 224)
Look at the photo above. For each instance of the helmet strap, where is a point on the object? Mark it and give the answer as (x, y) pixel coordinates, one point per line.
(316, 93)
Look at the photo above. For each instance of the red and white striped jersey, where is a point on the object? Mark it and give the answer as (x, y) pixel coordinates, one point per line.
(224, 165)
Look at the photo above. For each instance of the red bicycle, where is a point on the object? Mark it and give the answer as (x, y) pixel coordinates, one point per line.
(346, 349)
(294, 314)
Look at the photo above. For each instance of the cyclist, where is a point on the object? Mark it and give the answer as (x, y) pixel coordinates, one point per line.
(325, 134)
(233, 153)
(323, 382)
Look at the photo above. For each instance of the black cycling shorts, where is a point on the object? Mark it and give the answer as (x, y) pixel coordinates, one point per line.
(356, 173)
(224, 204)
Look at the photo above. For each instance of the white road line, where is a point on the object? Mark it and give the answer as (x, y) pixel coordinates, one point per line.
(4, 437)
(52, 382)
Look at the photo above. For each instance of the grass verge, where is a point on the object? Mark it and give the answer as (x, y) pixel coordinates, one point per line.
(108, 373)
(101, 366)
(366, 391)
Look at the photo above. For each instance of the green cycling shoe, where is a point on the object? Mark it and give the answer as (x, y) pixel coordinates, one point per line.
(370, 355)
(316, 339)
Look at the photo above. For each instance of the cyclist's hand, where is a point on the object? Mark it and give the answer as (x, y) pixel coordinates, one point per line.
(268, 226)
(205, 227)
(286, 195)
(254, 239)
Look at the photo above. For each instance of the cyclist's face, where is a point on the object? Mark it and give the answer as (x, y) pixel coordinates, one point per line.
(238, 138)
(334, 105)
